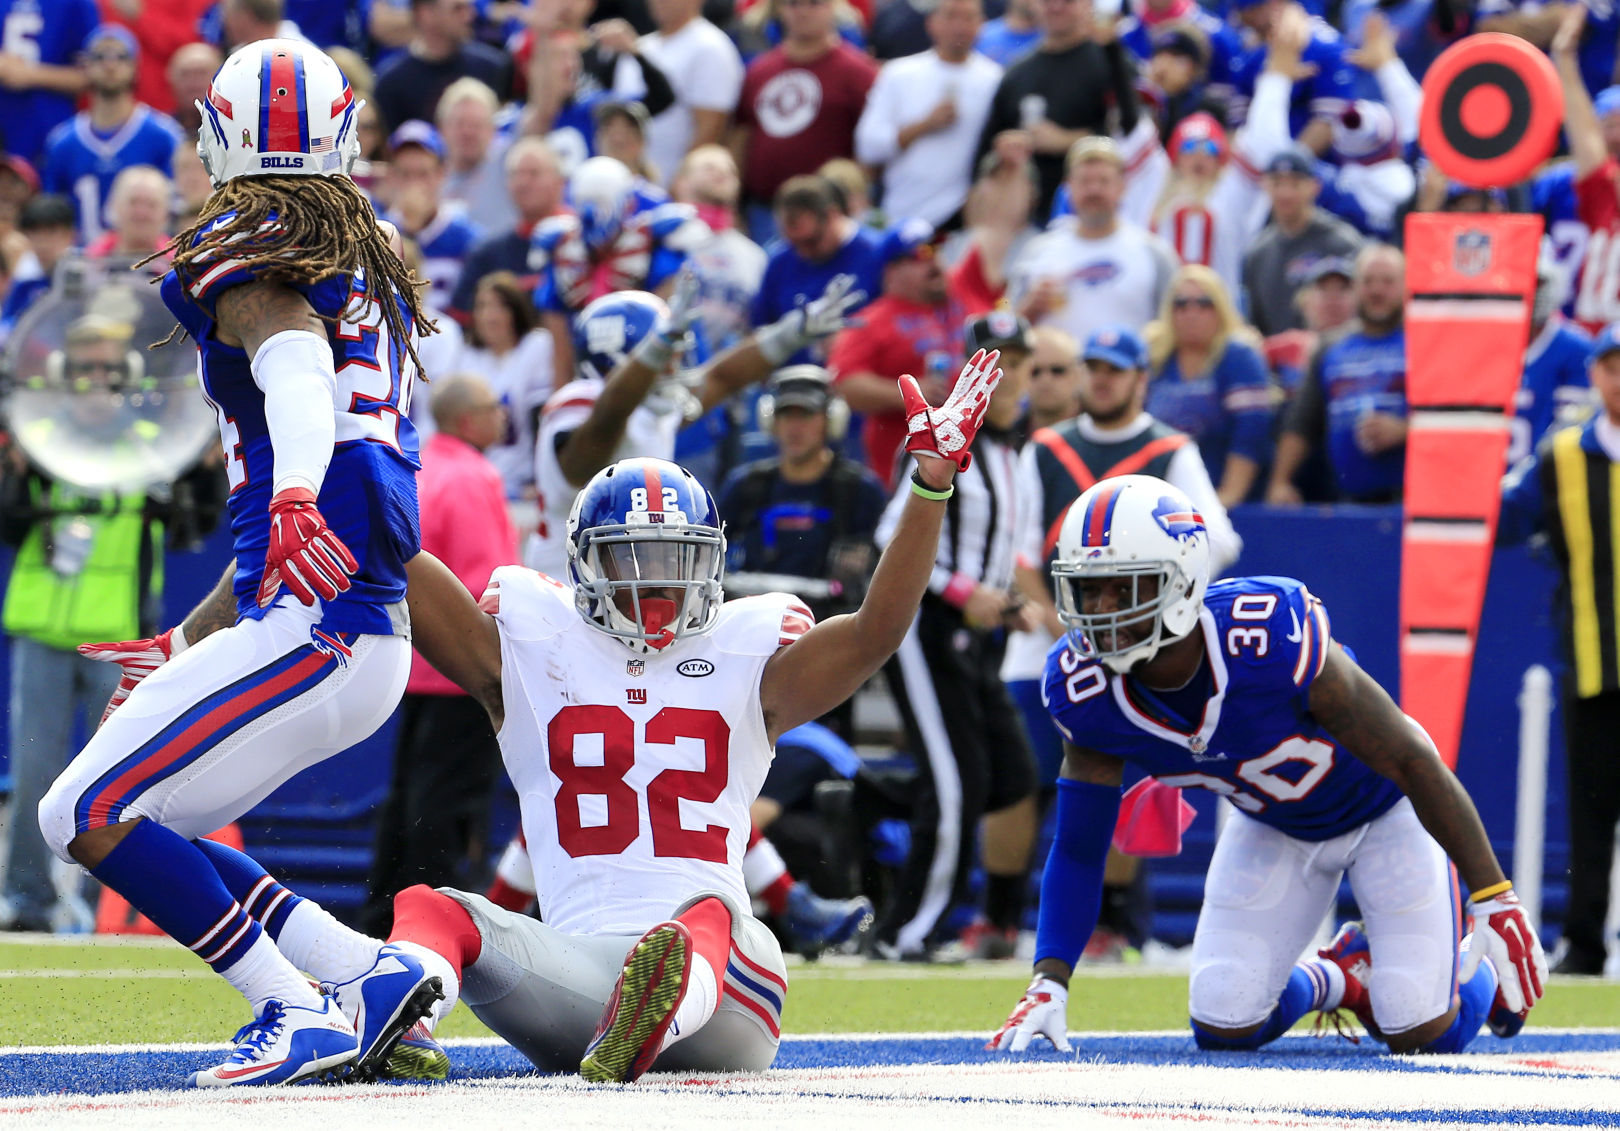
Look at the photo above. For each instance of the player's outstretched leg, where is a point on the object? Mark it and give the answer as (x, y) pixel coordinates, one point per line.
(669, 989)
(296, 1033)
(382, 989)
(812, 922)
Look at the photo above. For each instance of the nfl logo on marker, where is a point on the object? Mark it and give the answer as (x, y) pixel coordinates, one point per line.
(1471, 254)
(635, 667)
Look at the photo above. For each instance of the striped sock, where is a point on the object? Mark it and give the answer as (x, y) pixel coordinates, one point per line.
(303, 930)
(166, 878)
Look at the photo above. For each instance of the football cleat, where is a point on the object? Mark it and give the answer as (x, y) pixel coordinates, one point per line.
(985, 943)
(1350, 953)
(650, 987)
(384, 1002)
(416, 1056)
(817, 924)
(284, 1044)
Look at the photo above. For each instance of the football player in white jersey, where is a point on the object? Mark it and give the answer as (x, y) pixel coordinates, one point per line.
(637, 717)
(633, 392)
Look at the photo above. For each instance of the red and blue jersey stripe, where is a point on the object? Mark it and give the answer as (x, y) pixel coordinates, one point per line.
(283, 116)
(200, 730)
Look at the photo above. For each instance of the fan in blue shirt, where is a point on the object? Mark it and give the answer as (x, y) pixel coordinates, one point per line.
(1555, 389)
(47, 35)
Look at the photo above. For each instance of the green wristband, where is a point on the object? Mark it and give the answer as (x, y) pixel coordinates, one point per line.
(918, 487)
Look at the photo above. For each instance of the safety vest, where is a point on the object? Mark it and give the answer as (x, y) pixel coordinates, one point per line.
(102, 601)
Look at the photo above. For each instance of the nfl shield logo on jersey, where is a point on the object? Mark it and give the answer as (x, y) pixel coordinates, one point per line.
(635, 667)
(1471, 253)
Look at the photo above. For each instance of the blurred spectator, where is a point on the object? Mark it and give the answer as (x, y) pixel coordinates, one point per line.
(1326, 302)
(354, 67)
(973, 761)
(162, 28)
(441, 51)
(819, 241)
(704, 71)
(1209, 48)
(1592, 47)
(330, 24)
(474, 175)
(18, 184)
(138, 212)
(848, 179)
(248, 21)
(114, 132)
(1565, 493)
(1298, 235)
(997, 219)
(1061, 92)
(1597, 184)
(1555, 390)
(728, 265)
(760, 27)
(798, 107)
(446, 759)
(1054, 379)
(1371, 140)
(610, 57)
(621, 133)
(534, 185)
(807, 512)
(1095, 268)
(900, 28)
(47, 223)
(1011, 35)
(439, 352)
(924, 117)
(1353, 400)
(914, 327)
(190, 70)
(621, 235)
(558, 109)
(507, 347)
(1176, 78)
(39, 79)
(1209, 380)
(443, 230)
(368, 128)
(1321, 94)
(1422, 28)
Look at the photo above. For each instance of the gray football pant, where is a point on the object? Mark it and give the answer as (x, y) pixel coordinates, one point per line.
(543, 992)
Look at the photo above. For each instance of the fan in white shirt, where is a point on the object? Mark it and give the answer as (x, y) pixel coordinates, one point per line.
(924, 116)
(706, 73)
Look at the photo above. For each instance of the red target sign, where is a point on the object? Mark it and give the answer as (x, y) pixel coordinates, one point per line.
(1492, 108)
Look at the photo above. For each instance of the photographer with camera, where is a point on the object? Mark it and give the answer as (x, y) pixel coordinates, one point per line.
(89, 566)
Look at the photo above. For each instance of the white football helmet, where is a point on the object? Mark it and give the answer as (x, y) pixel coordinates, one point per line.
(602, 193)
(1130, 528)
(278, 107)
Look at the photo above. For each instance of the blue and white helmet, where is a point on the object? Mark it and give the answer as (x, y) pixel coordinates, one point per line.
(610, 327)
(278, 107)
(645, 553)
(602, 193)
(1130, 528)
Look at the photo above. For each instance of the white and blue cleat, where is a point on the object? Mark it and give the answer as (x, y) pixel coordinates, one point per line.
(285, 1044)
(383, 1003)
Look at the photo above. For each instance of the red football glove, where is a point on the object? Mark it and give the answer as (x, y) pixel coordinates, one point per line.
(948, 431)
(138, 658)
(303, 553)
(1502, 933)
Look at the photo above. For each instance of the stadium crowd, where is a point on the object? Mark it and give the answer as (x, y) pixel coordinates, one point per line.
(1182, 221)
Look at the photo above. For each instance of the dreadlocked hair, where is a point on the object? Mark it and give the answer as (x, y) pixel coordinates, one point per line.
(302, 231)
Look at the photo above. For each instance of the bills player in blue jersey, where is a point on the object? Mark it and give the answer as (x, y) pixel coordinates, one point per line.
(1239, 688)
(84, 154)
(305, 320)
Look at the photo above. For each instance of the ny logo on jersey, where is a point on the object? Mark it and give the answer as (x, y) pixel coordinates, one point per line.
(636, 695)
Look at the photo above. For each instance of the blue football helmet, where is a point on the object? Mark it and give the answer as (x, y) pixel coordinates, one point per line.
(645, 529)
(610, 327)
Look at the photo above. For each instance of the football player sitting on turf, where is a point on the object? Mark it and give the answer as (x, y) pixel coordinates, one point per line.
(1238, 687)
(637, 717)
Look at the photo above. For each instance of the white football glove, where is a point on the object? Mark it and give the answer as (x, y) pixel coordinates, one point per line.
(1503, 932)
(821, 317)
(655, 350)
(1043, 1011)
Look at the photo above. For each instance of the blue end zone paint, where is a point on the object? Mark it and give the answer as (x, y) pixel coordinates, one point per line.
(49, 1073)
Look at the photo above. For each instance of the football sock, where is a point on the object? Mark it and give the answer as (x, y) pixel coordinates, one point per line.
(1474, 998)
(166, 878)
(513, 887)
(304, 930)
(1004, 901)
(1309, 987)
(709, 922)
(432, 921)
(766, 873)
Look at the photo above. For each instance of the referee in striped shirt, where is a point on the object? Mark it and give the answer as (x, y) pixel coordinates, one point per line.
(1570, 490)
(973, 759)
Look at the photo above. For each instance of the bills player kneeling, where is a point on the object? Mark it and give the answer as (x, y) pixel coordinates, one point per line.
(637, 717)
(1238, 687)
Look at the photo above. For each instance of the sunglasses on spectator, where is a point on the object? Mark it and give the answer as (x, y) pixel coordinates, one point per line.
(110, 57)
(802, 3)
(1055, 370)
(1183, 302)
(922, 253)
(1201, 145)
